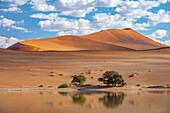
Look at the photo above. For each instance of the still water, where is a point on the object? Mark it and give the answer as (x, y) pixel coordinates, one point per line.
(85, 102)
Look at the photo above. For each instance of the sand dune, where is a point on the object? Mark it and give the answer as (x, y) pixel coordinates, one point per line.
(113, 39)
(64, 43)
(126, 38)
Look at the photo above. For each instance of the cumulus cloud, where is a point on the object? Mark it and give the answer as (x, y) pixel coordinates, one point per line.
(158, 34)
(128, 14)
(160, 17)
(6, 22)
(12, 9)
(79, 8)
(6, 42)
(38, 5)
(10, 24)
(41, 5)
(65, 5)
(45, 16)
(65, 24)
(77, 13)
(107, 21)
(16, 2)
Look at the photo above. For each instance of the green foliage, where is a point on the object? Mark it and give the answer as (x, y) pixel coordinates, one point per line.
(64, 85)
(75, 83)
(79, 78)
(113, 78)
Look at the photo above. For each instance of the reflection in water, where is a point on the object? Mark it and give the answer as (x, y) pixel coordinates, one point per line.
(112, 100)
(85, 101)
(80, 99)
(77, 98)
(64, 93)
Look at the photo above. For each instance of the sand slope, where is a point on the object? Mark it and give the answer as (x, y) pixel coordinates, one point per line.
(126, 38)
(64, 43)
(113, 39)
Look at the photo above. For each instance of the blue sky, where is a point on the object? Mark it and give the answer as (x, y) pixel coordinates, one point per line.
(33, 19)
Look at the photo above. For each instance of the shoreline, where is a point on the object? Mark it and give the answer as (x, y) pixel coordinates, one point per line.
(71, 89)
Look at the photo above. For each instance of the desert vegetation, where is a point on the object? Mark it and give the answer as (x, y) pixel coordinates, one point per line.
(112, 78)
(77, 80)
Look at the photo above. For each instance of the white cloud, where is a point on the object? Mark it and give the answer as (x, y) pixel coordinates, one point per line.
(103, 20)
(12, 9)
(77, 13)
(38, 5)
(44, 16)
(167, 42)
(137, 9)
(65, 5)
(6, 22)
(128, 14)
(20, 28)
(161, 17)
(107, 21)
(41, 5)
(10, 24)
(1, 16)
(6, 42)
(16, 2)
(64, 24)
(158, 34)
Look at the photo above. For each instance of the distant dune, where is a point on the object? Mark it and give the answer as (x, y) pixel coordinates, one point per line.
(113, 39)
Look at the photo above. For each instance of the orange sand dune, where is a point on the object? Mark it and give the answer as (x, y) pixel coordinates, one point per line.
(126, 38)
(113, 39)
(64, 43)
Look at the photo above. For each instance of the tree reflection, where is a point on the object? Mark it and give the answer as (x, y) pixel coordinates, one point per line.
(109, 100)
(80, 99)
(112, 100)
(77, 98)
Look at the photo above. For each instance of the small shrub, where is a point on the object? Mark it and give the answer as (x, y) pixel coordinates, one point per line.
(79, 78)
(112, 77)
(64, 85)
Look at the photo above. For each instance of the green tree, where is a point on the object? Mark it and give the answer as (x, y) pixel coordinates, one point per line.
(113, 78)
(79, 78)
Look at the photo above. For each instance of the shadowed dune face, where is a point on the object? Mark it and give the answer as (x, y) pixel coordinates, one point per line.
(114, 39)
(23, 47)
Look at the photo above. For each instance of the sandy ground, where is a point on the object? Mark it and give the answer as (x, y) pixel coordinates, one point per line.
(31, 69)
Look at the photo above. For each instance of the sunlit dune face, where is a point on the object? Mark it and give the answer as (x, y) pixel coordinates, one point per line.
(114, 39)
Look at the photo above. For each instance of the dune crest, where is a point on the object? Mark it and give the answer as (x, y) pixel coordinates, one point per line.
(113, 39)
